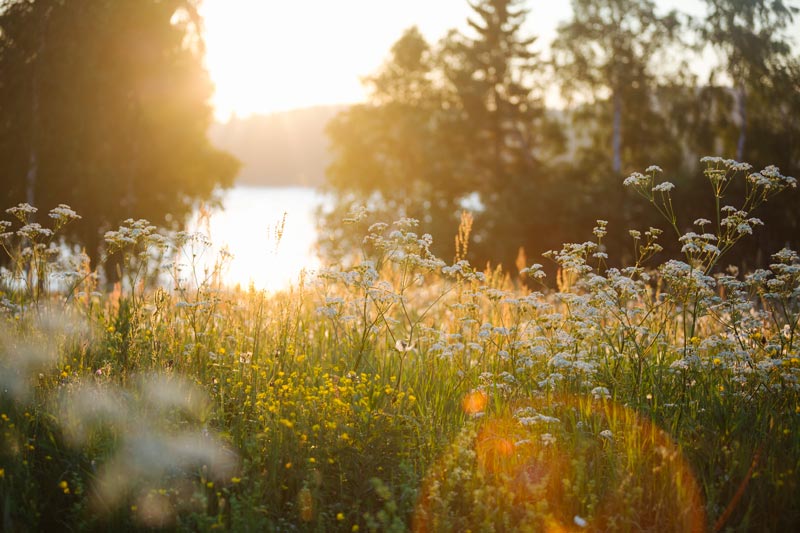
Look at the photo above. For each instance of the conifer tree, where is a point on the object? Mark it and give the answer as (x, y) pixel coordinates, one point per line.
(505, 132)
(461, 120)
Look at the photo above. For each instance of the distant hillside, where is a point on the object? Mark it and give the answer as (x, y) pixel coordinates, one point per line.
(288, 148)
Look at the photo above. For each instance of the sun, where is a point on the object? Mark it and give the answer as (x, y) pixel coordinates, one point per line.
(274, 55)
(265, 56)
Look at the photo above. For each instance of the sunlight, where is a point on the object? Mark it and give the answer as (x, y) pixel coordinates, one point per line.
(248, 226)
(236, 292)
(266, 56)
(262, 60)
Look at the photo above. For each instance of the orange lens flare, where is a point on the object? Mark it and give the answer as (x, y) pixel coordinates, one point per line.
(474, 402)
(556, 464)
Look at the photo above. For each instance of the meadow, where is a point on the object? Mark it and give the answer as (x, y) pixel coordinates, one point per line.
(403, 392)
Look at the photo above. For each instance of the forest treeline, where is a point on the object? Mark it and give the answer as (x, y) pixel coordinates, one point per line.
(463, 122)
(104, 105)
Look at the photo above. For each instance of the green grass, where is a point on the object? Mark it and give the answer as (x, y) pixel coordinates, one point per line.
(401, 392)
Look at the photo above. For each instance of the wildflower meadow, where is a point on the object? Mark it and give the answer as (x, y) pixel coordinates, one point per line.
(398, 391)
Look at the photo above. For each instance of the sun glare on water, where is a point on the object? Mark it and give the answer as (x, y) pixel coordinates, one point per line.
(269, 233)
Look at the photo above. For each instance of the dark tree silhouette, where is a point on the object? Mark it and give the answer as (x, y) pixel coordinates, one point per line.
(104, 106)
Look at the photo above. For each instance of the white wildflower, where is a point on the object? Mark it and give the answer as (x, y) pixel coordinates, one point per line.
(601, 393)
(636, 180)
(664, 186)
(22, 211)
(548, 439)
(63, 213)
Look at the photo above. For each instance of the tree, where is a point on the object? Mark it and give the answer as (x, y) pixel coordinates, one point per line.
(104, 106)
(608, 61)
(749, 34)
(757, 84)
(388, 144)
(452, 122)
(487, 74)
(605, 53)
(505, 131)
(391, 153)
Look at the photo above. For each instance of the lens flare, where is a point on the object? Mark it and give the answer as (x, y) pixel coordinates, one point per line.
(564, 463)
(474, 402)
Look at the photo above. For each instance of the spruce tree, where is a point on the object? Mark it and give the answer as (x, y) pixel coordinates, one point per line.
(504, 130)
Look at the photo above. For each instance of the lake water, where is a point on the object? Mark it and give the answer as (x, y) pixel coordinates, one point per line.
(249, 225)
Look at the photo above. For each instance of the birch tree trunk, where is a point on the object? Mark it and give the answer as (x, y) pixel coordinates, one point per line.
(33, 154)
(616, 135)
(741, 109)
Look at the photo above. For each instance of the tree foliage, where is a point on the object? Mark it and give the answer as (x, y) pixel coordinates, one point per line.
(748, 108)
(391, 153)
(608, 55)
(465, 120)
(509, 140)
(449, 123)
(104, 106)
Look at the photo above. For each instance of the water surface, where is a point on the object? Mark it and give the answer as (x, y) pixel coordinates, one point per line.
(269, 230)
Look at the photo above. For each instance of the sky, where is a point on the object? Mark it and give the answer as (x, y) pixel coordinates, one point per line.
(274, 55)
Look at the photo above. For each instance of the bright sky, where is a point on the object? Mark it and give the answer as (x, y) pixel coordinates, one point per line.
(274, 55)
